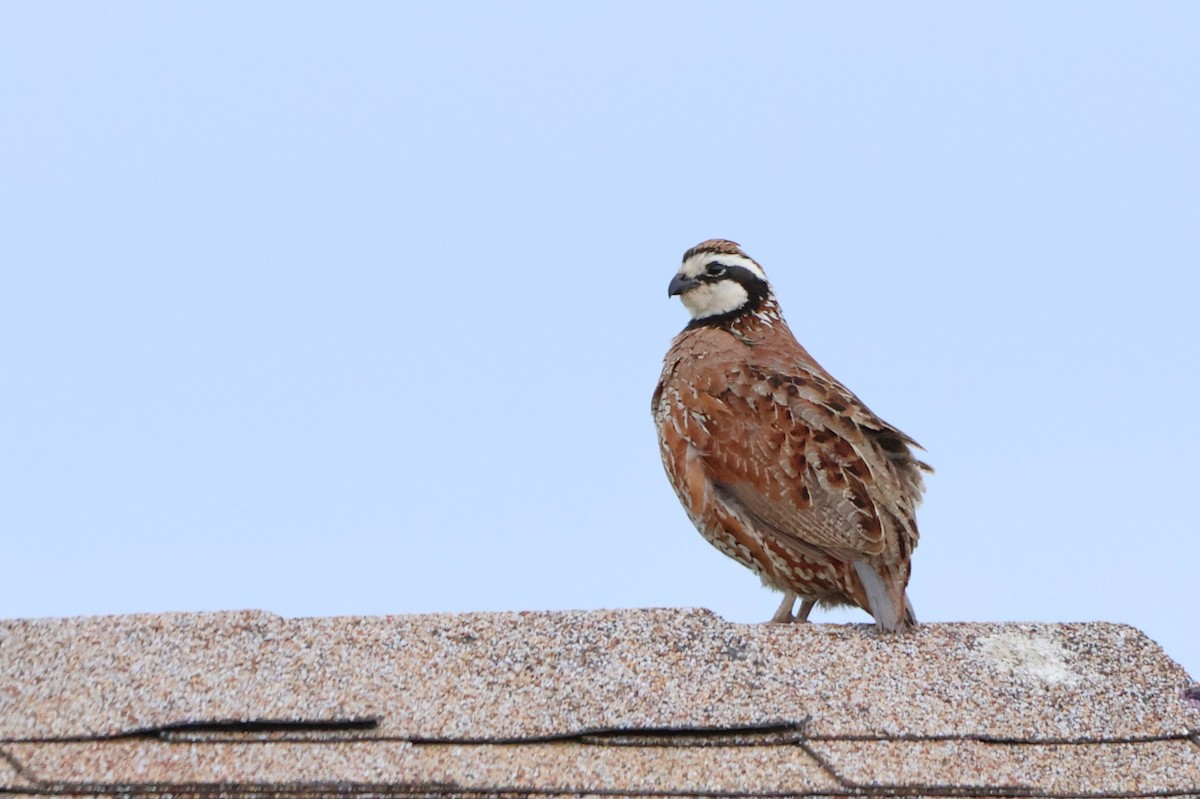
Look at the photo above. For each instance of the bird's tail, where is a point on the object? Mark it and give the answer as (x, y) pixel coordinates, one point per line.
(910, 615)
(887, 599)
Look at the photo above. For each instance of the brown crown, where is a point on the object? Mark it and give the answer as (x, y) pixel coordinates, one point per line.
(723, 246)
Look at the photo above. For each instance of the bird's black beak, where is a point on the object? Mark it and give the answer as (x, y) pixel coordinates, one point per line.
(681, 284)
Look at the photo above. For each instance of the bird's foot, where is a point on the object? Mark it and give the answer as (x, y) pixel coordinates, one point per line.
(784, 614)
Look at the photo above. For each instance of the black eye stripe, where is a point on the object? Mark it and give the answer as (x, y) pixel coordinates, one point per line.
(727, 272)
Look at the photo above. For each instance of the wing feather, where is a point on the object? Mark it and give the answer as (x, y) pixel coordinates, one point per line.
(804, 460)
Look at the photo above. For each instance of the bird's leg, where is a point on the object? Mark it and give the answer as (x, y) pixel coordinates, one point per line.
(805, 608)
(784, 614)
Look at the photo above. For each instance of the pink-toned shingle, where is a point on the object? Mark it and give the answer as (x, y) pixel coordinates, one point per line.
(635, 701)
(561, 766)
(11, 779)
(1154, 767)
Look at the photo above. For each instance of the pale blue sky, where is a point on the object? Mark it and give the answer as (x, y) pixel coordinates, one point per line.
(357, 308)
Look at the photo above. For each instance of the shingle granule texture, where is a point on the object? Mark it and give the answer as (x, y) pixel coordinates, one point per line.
(631, 702)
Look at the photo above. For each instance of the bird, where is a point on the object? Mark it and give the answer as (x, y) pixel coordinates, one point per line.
(778, 465)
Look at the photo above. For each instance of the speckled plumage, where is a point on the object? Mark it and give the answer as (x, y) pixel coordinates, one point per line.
(776, 463)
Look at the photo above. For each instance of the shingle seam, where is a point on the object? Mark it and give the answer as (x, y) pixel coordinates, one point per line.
(866, 789)
(317, 789)
(359, 788)
(598, 733)
(878, 789)
(181, 734)
(827, 767)
(211, 791)
(685, 742)
(944, 790)
(18, 767)
(1007, 741)
(214, 789)
(598, 739)
(382, 792)
(267, 725)
(999, 793)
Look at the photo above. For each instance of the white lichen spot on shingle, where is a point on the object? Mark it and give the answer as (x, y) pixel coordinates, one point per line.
(1029, 657)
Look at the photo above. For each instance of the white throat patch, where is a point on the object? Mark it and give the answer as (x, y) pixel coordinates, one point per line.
(714, 299)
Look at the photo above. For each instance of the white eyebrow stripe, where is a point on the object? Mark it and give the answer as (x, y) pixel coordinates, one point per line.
(696, 265)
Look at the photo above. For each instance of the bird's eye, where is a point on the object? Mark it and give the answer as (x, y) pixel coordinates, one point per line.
(715, 270)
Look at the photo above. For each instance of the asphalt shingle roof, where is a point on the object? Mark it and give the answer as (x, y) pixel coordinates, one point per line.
(627, 702)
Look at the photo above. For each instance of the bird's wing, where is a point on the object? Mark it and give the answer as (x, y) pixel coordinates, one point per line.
(804, 459)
